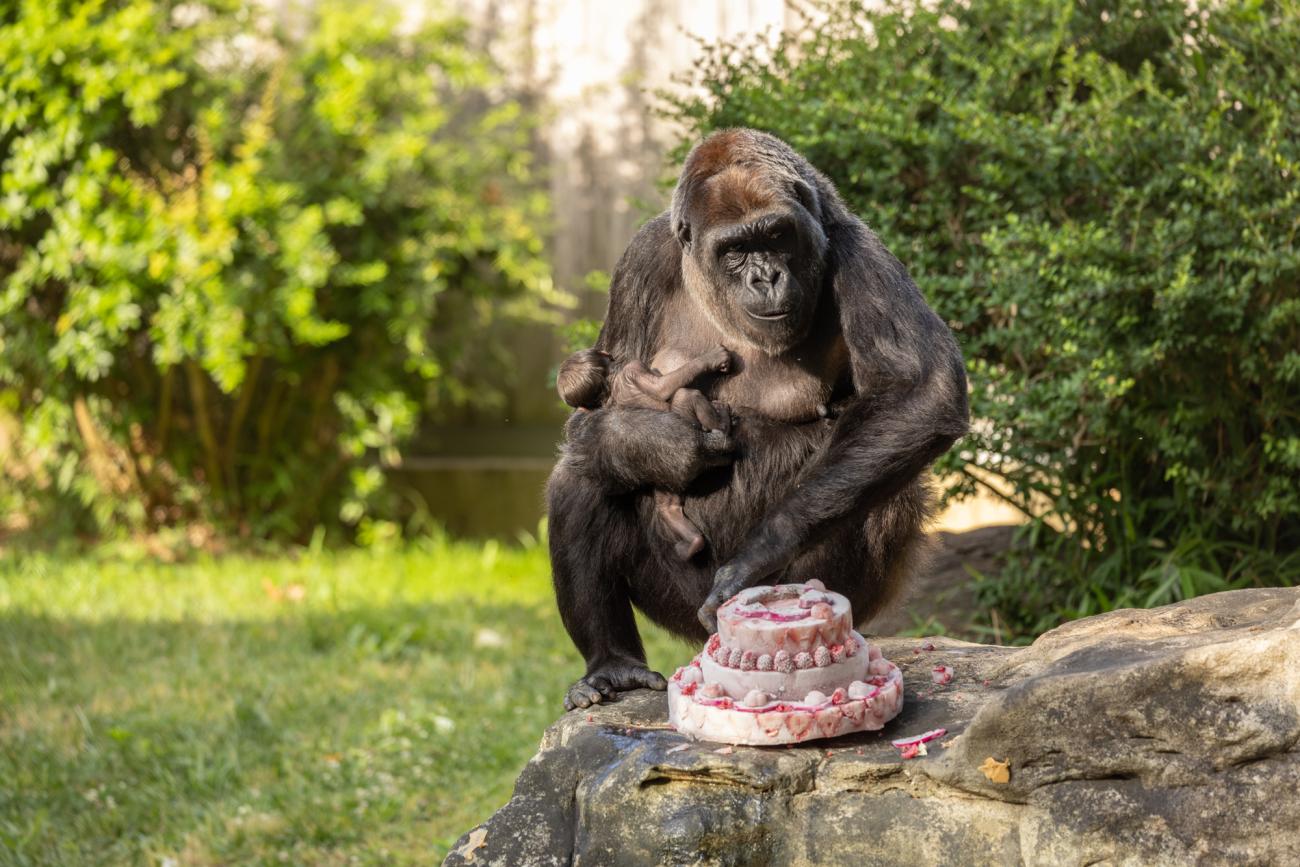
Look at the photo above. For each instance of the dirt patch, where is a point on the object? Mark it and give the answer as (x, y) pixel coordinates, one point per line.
(940, 599)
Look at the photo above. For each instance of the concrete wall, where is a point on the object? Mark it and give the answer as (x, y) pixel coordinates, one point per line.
(597, 65)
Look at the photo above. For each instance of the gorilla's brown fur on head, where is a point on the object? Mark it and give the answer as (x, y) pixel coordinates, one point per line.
(751, 217)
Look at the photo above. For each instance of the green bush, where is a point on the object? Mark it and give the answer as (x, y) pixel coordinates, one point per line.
(1102, 200)
(243, 254)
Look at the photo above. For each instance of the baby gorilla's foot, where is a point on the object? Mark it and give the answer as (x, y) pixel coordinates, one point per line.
(724, 418)
(689, 547)
(606, 681)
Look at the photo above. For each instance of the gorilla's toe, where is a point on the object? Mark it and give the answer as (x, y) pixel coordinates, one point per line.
(688, 548)
(581, 694)
(607, 681)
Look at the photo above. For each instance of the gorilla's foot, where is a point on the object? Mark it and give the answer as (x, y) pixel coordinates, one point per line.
(724, 417)
(689, 547)
(606, 681)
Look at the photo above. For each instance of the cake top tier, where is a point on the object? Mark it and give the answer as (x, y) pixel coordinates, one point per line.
(791, 617)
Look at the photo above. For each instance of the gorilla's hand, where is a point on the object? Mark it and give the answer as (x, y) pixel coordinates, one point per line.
(727, 582)
(624, 448)
(768, 550)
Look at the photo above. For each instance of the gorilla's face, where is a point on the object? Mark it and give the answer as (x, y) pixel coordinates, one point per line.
(759, 277)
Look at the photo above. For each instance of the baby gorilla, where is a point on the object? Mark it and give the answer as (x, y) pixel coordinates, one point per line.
(589, 379)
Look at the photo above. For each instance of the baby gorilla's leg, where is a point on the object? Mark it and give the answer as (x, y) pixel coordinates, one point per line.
(695, 407)
(685, 536)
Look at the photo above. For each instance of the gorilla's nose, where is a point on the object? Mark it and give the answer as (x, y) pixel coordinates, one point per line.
(766, 283)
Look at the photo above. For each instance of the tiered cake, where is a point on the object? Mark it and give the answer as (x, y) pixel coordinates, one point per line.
(784, 666)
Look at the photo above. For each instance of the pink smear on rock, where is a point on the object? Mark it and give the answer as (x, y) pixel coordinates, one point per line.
(919, 739)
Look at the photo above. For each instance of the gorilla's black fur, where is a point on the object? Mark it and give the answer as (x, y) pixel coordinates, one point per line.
(758, 253)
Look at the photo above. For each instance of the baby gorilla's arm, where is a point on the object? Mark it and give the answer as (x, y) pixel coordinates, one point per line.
(662, 386)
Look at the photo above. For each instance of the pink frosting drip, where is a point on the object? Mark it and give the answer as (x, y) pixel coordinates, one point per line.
(780, 706)
(769, 614)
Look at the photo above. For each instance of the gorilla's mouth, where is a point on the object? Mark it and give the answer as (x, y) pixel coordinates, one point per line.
(774, 316)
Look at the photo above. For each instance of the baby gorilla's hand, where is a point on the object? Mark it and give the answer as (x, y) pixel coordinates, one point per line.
(719, 359)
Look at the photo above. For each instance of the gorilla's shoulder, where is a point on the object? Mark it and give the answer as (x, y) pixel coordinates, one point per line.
(656, 235)
(653, 256)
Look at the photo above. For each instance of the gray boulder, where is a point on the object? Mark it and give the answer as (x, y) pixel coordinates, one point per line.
(1169, 736)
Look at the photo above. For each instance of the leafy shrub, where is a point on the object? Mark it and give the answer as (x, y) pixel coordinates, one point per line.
(1102, 199)
(241, 256)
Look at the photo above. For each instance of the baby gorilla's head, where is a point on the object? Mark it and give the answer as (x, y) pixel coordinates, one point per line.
(583, 380)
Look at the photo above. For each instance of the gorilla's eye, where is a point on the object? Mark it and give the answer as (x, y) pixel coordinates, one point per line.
(783, 238)
(733, 258)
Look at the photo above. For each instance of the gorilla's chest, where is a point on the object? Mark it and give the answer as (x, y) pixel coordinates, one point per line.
(781, 389)
(787, 388)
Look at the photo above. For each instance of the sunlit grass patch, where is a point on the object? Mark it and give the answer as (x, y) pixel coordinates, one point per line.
(317, 707)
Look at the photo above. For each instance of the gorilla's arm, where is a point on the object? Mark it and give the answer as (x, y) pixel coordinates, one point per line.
(622, 448)
(910, 406)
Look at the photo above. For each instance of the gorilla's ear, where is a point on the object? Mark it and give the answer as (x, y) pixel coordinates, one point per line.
(807, 197)
(682, 230)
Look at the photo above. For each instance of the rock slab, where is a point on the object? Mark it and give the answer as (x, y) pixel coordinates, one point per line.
(1168, 736)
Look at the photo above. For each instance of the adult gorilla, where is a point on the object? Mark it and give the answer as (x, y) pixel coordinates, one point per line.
(760, 254)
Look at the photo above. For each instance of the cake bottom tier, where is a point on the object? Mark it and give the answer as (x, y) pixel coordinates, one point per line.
(693, 712)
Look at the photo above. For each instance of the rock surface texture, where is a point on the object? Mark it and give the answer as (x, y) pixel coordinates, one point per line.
(1169, 736)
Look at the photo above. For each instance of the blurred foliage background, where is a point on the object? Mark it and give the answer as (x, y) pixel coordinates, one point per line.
(244, 257)
(1102, 199)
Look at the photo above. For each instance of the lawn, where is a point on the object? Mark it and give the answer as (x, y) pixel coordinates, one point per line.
(320, 707)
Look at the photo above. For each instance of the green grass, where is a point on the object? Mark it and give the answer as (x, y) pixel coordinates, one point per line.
(200, 714)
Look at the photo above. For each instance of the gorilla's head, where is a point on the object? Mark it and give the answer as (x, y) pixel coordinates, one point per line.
(749, 213)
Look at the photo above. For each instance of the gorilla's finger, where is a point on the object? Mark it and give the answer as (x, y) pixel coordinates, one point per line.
(605, 688)
(651, 679)
(708, 615)
(717, 448)
(727, 582)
